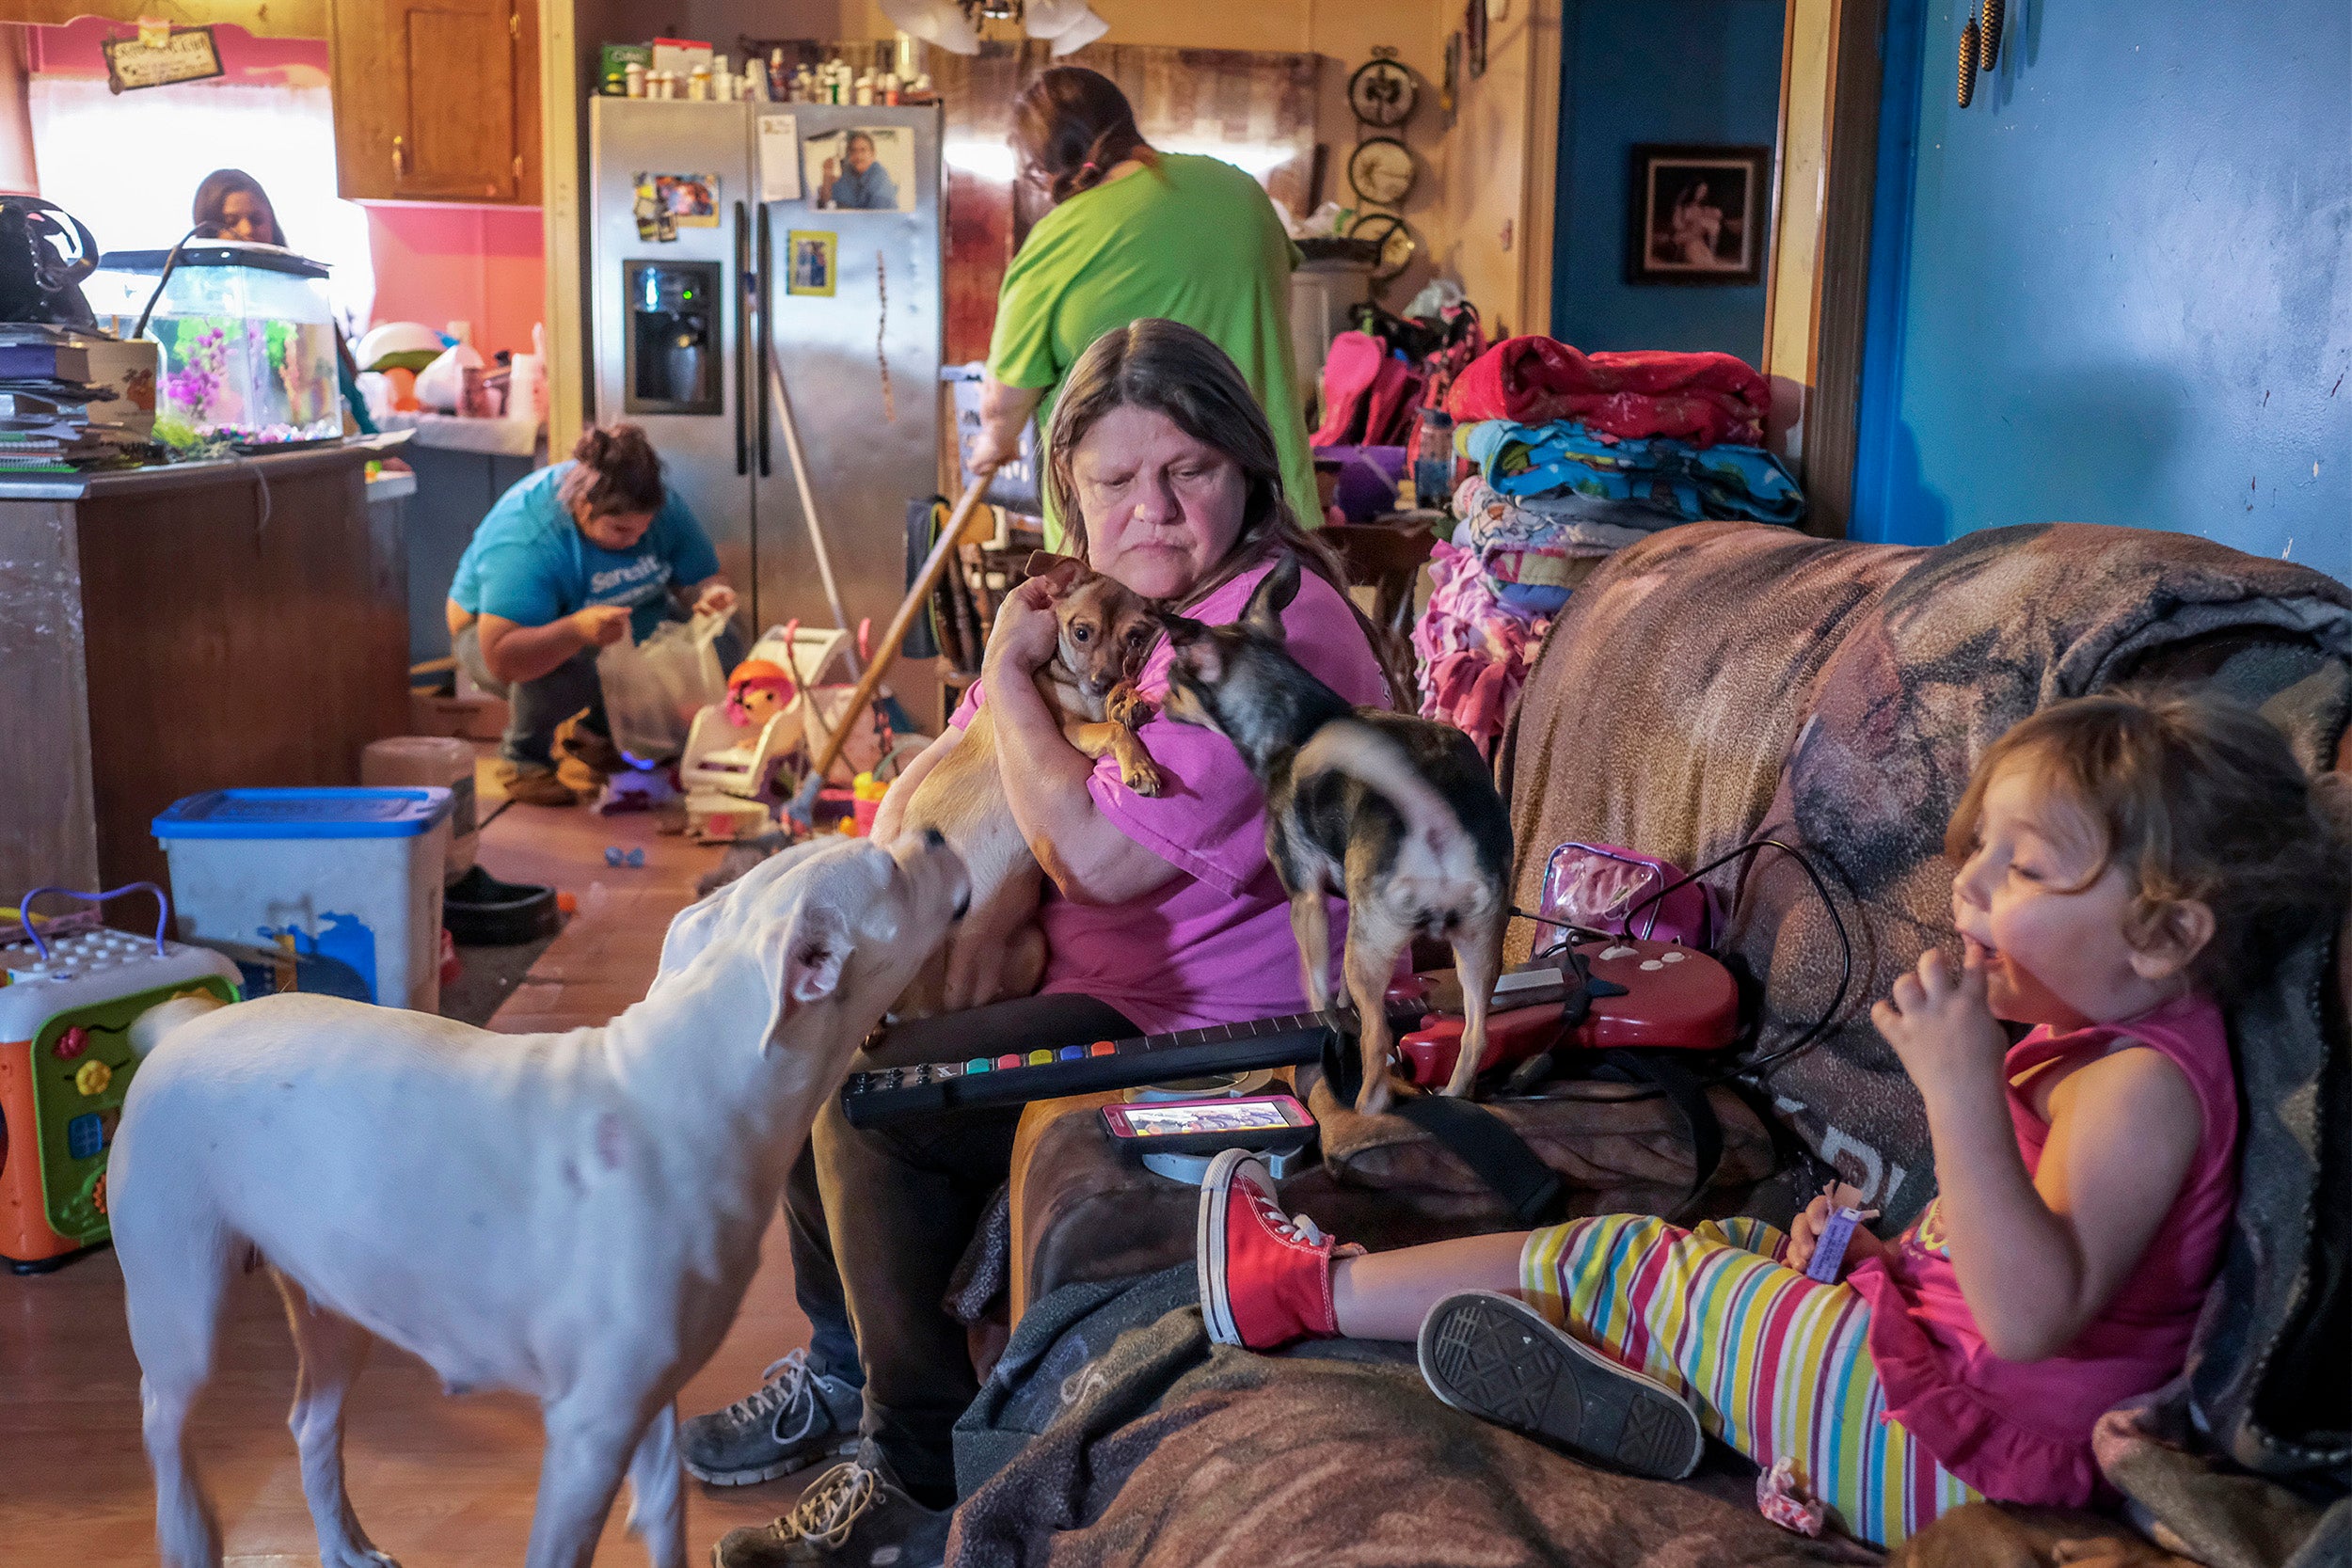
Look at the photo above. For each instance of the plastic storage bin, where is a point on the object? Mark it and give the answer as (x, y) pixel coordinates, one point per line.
(349, 878)
(247, 337)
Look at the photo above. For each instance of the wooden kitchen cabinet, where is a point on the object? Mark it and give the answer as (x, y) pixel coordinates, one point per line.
(437, 99)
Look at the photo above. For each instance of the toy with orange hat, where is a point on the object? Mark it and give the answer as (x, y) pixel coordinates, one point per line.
(743, 755)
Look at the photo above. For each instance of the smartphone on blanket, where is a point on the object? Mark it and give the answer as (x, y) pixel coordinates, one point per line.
(1255, 1121)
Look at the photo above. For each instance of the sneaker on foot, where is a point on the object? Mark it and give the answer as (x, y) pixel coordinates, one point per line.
(854, 1513)
(1265, 1276)
(794, 1419)
(535, 786)
(1497, 1357)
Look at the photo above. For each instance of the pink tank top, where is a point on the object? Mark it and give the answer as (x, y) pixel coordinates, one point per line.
(2020, 1431)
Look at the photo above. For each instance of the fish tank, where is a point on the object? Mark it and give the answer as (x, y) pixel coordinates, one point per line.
(247, 339)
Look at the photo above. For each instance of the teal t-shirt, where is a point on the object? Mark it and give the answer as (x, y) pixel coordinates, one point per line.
(530, 563)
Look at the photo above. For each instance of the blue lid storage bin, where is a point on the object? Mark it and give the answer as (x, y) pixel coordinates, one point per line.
(349, 878)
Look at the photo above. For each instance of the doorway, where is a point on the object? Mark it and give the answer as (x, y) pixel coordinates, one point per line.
(1668, 112)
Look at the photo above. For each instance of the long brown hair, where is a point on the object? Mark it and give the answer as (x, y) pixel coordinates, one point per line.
(1070, 127)
(1171, 369)
(614, 469)
(212, 200)
(2190, 797)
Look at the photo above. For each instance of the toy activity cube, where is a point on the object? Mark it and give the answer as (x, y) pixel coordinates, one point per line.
(66, 1063)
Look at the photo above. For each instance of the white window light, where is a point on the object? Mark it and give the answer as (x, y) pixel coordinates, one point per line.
(993, 159)
(128, 165)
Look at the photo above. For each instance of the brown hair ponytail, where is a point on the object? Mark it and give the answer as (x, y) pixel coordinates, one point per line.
(614, 469)
(1070, 127)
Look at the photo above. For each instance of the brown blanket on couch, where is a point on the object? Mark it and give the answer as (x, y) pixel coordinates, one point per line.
(1174, 1454)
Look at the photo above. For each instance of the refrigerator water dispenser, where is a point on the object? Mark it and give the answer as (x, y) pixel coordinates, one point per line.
(673, 339)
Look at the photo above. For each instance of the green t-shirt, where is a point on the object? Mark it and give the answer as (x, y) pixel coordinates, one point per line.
(1191, 239)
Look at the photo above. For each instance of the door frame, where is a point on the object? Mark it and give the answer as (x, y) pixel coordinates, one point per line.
(1816, 306)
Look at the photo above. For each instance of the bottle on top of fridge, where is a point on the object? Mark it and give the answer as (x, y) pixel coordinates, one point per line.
(779, 79)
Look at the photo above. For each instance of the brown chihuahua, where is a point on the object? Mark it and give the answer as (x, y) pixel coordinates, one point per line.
(997, 951)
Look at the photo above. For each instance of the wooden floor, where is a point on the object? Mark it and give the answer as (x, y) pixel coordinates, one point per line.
(438, 1482)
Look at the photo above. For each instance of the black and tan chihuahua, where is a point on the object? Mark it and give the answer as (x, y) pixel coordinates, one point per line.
(1396, 813)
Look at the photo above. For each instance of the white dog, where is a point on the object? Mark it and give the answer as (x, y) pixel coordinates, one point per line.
(573, 1215)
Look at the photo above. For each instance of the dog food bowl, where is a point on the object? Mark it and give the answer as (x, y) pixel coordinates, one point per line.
(482, 912)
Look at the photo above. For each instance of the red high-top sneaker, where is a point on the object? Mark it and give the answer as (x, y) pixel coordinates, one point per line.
(1265, 1276)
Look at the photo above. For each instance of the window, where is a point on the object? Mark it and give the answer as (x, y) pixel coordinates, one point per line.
(128, 165)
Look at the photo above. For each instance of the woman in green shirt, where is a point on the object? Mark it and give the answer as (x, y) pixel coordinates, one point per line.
(1135, 232)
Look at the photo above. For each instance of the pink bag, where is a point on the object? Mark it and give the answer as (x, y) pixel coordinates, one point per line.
(1604, 888)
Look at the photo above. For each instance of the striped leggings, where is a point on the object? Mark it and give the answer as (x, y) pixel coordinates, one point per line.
(1779, 1365)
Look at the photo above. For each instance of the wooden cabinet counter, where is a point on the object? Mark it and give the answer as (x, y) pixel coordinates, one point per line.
(174, 629)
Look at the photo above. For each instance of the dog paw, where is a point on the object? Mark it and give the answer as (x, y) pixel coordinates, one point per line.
(1126, 705)
(1143, 778)
(358, 1557)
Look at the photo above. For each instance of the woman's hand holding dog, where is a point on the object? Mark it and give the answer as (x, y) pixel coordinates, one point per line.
(1024, 636)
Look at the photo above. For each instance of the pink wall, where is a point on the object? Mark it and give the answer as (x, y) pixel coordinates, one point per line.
(436, 263)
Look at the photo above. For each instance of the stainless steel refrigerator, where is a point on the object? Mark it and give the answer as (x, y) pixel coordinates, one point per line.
(695, 274)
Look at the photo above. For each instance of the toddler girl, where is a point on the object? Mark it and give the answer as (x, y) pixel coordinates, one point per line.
(2123, 861)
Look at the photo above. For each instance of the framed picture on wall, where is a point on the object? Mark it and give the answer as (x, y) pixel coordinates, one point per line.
(1696, 214)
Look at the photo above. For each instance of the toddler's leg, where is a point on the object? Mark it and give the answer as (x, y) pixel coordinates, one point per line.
(1384, 1295)
(1778, 1364)
(1268, 1277)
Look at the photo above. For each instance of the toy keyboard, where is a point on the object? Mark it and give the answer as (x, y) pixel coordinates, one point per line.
(1018, 1077)
(1673, 998)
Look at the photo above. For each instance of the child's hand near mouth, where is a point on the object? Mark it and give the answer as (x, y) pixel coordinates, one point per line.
(1941, 1027)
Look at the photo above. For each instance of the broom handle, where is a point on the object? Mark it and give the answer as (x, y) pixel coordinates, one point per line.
(926, 582)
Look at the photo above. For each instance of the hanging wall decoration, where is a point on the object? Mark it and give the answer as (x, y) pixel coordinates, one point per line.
(160, 54)
(1382, 92)
(1980, 48)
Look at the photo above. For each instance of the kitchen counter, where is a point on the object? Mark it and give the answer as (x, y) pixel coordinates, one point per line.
(107, 483)
(490, 437)
(185, 628)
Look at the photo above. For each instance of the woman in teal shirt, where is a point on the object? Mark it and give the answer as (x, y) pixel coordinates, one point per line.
(569, 560)
(1136, 233)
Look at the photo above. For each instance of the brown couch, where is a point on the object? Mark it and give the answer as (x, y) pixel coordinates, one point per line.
(1726, 681)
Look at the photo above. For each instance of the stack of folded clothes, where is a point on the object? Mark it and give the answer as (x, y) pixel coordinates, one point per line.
(1577, 456)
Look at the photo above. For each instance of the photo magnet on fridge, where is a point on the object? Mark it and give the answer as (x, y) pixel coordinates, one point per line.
(865, 168)
(808, 267)
(692, 200)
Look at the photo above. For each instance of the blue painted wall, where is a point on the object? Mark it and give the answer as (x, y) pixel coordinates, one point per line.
(2117, 288)
(1654, 71)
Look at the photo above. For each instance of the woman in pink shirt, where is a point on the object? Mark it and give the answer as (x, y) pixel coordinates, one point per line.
(1162, 914)
(2123, 861)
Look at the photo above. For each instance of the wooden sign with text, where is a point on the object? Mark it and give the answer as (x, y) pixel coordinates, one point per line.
(149, 60)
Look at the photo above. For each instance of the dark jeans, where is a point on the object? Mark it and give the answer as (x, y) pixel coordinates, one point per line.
(535, 708)
(881, 1217)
